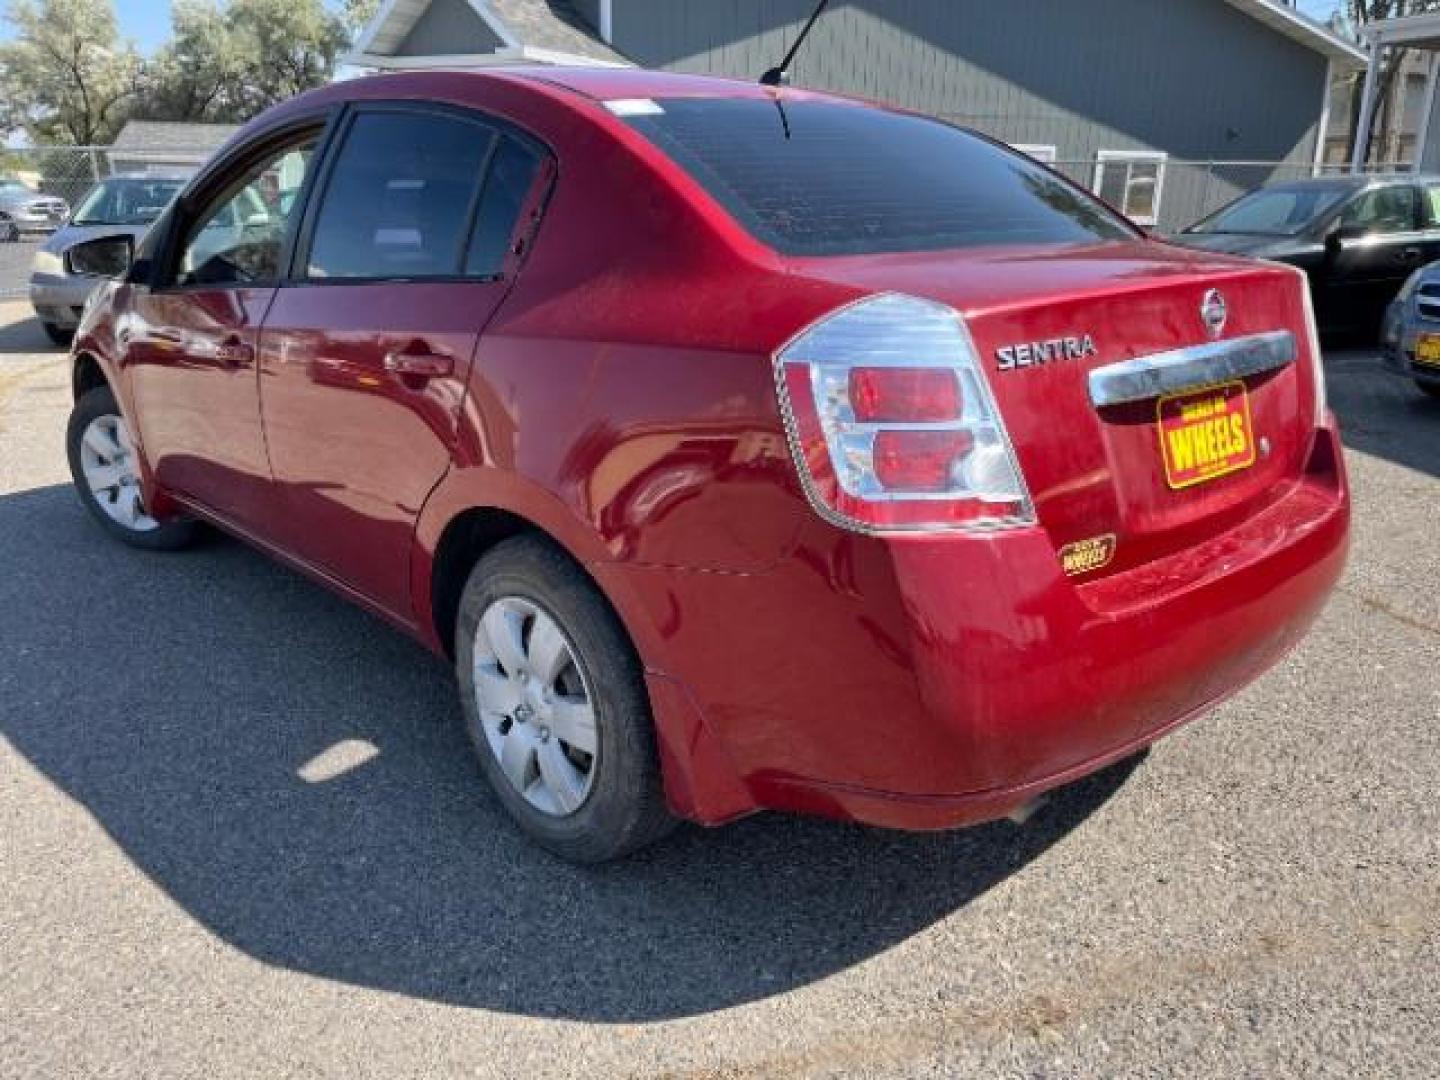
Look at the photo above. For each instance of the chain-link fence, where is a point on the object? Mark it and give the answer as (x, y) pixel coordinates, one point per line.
(31, 178)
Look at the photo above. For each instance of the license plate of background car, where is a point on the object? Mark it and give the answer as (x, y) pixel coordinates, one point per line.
(1427, 349)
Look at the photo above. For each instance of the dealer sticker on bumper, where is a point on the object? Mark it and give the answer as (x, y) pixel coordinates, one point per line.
(1205, 434)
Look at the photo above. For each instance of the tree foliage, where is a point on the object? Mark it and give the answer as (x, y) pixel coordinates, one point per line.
(67, 76)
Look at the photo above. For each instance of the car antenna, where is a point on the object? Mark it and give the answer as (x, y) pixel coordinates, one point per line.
(780, 76)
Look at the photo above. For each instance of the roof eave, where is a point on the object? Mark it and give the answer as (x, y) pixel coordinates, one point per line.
(1288, 21)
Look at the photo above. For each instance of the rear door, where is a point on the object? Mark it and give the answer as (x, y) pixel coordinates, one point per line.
(1380, 243)
(190, 344)
(406, 252)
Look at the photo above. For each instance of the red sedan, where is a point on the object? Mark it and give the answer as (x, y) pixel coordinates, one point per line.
(744, 447)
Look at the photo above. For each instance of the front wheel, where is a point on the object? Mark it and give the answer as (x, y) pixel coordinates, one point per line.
(58, 335)
(105, 470)
(1431, 388)
(9, 232)
(555, 705)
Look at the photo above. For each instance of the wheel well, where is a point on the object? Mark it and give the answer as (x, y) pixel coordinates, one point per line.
(86, 375)
(464, 541)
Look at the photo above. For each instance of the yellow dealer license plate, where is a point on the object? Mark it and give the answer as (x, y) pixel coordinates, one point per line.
(1205, 434)
(1427, 349)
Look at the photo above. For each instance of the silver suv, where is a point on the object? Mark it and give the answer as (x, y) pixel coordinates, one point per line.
(24, 210)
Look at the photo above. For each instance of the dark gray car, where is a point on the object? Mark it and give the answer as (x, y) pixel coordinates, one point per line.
(117, 206)
(1356, 237)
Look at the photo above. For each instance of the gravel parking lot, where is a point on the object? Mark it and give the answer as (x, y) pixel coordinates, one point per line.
(191, 884)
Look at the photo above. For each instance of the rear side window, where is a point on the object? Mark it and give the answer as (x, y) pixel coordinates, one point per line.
(821, 178)
(400, 196)
(512, 174)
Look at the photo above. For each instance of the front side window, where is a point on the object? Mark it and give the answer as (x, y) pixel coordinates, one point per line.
(1131, 182)
(1381, 211)
(824, 178)
(1431, 205)
(240, 237)
(399, 200)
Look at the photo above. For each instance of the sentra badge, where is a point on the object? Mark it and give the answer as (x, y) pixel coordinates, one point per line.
(1035, 353)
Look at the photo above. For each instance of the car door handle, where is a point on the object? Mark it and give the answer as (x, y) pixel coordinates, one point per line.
(234, 353)
(1410, 254)
(419, 365)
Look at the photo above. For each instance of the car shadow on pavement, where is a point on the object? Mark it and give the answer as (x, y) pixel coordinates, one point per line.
(1383, 414)
(183, 701)
(24, 335)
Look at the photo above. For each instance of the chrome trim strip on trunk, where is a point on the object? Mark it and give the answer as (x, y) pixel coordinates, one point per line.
(1149, 377)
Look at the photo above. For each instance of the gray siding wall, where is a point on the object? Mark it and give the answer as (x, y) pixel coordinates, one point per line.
(448, 27)
(589, 10)
(1196, 79)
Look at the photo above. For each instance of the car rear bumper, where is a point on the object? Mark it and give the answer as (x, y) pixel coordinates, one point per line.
(926, 683)
(59, 299)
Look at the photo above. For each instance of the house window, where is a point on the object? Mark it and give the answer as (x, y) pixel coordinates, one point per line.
(1045, 154)
(1131, 181)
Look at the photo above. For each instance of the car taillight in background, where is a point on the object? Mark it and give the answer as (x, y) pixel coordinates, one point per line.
(893, 425)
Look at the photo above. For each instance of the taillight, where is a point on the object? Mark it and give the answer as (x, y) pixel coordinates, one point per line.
(1317, 362)
(893, 425)
(1312, 340)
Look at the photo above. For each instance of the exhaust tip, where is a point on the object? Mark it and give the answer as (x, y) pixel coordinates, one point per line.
(1022, 814)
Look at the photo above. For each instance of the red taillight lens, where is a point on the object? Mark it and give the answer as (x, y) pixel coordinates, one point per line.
(893, 425)
(919, 461)
(901, 394)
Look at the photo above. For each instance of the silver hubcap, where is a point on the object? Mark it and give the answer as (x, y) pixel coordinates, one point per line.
(535, 708)
(107, 459)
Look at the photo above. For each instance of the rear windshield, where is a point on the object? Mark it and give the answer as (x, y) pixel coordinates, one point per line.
(821, 178)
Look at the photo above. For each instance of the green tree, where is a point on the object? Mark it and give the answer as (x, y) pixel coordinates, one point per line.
(357, 15)
(66, 77)
(196, 75)
(227, 61)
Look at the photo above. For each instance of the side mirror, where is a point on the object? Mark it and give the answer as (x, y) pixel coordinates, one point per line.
(1341, 233)
(107, 257)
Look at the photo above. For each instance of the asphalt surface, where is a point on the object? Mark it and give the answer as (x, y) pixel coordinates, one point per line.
(240, 835)
(15, 266)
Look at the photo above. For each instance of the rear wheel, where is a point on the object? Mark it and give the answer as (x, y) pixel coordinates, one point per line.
(555, 705)
(58, 335)
(9, 233)
(105, 470)
(1431, 388)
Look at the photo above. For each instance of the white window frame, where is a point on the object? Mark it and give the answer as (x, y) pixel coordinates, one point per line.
(1044, 153)
(1130, 157)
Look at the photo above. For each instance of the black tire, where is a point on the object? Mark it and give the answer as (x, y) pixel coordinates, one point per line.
(8, 232)
(1431, 388)
(58, 335)
(163, 536)
(625, 808)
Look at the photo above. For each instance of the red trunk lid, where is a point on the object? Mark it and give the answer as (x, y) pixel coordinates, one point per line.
(1122, 484)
